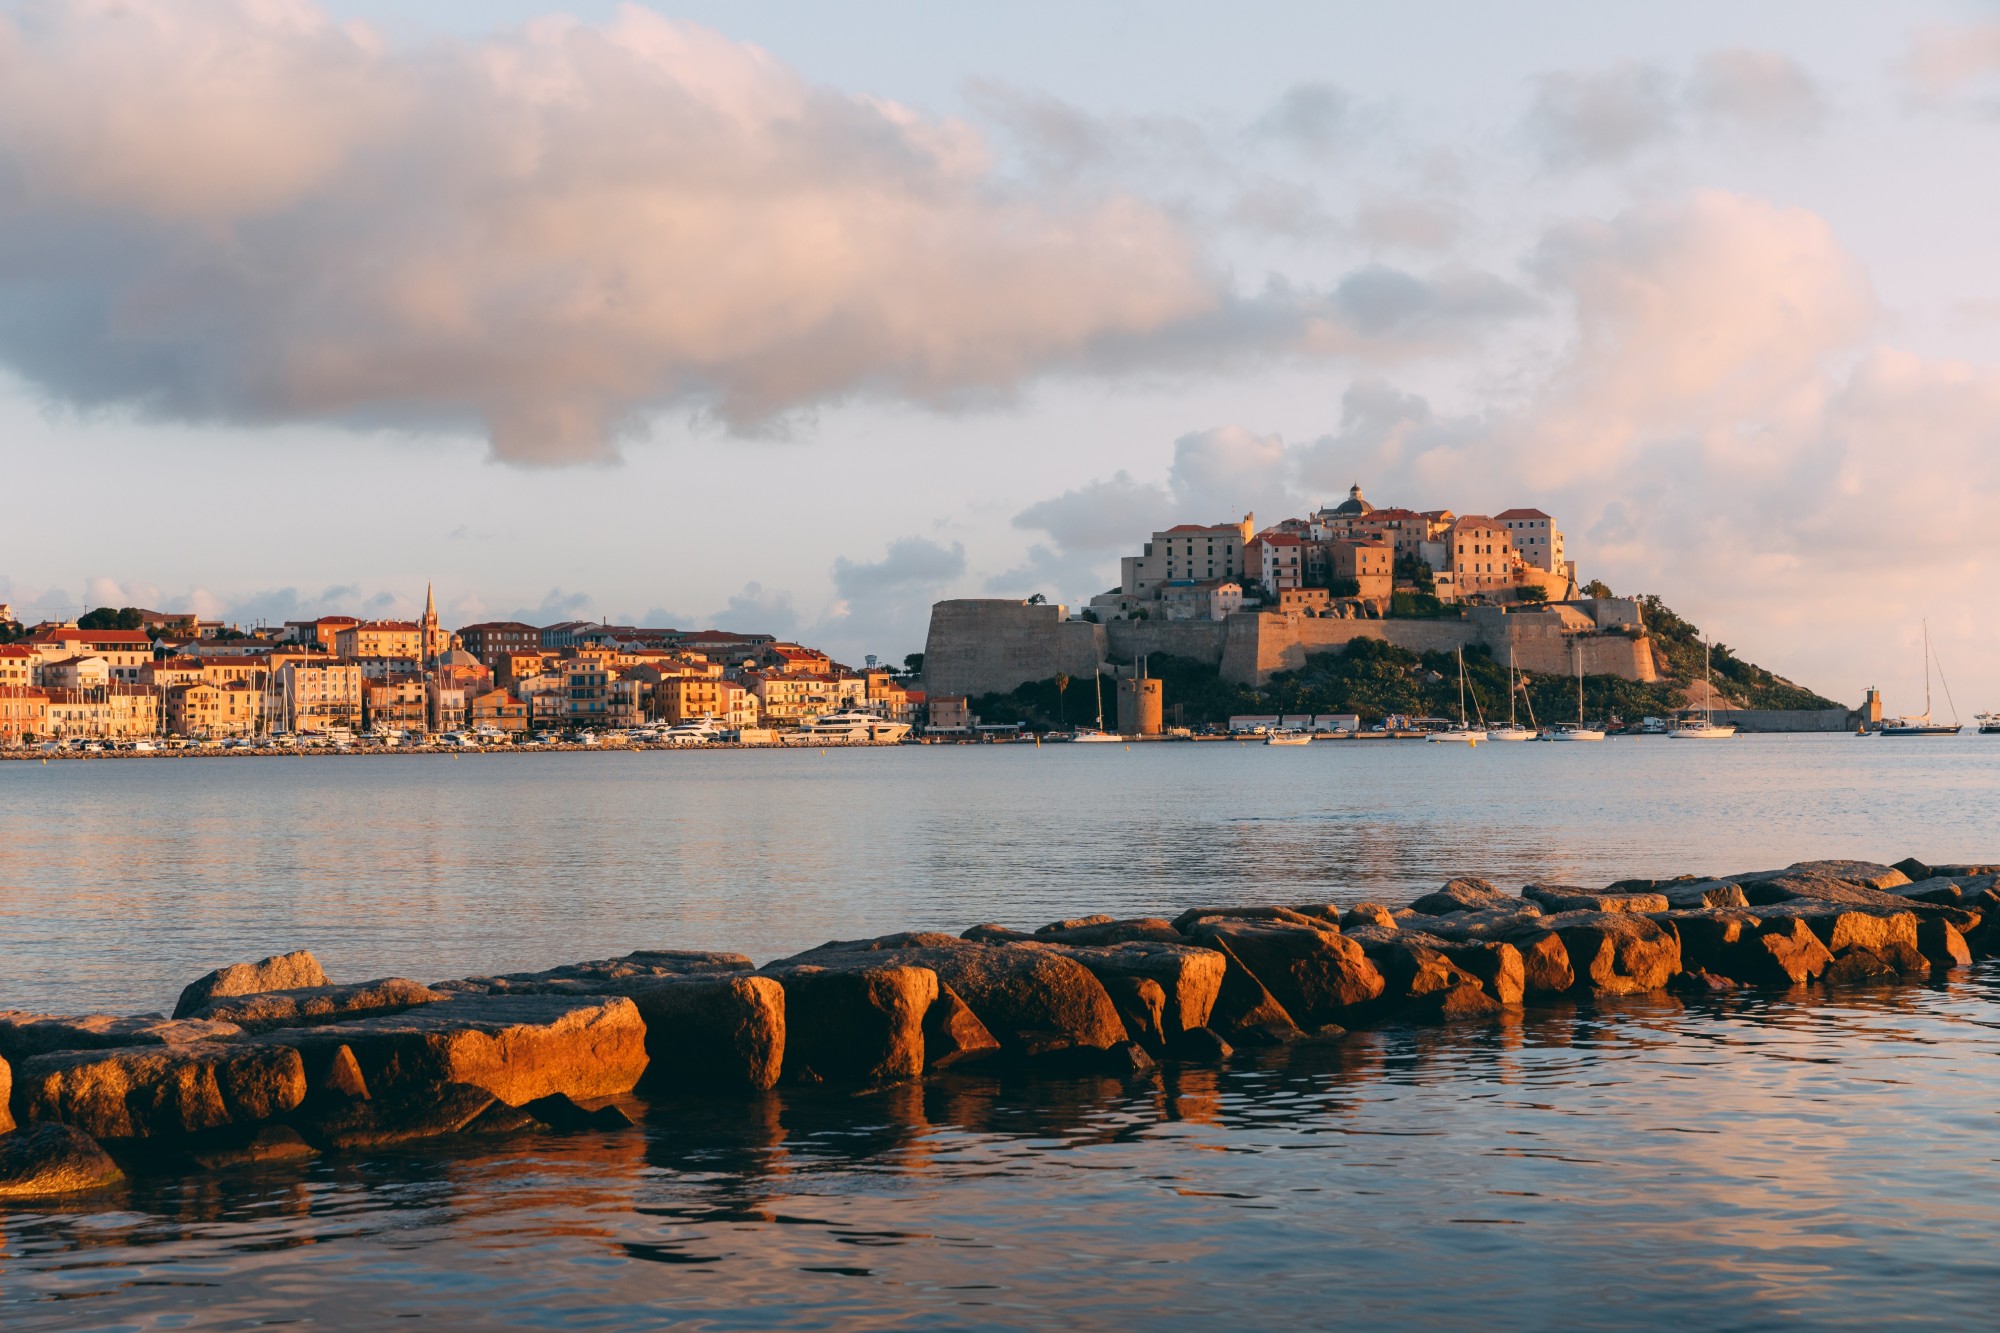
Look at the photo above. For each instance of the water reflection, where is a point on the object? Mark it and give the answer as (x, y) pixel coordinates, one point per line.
(1735, 1160)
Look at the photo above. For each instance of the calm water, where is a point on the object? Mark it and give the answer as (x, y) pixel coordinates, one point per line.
(1751, 1162)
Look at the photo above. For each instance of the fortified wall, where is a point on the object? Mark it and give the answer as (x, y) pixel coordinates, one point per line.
(990, 646)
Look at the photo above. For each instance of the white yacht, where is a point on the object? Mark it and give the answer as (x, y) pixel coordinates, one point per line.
(692, 733)
(1096, 734)
(1575, 731)
(1289, 738)
(1463, 732)
(849, 727)
(1922, 725)
(1706, 728)
(1513, 731)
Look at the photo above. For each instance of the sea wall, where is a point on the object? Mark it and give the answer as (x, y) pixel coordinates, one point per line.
(271, 1061)
(1787, 719)
(989, 646)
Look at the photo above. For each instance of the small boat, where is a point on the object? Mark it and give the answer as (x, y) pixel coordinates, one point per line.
(1707, 729)
(1513, 731)
(1463, 732)
(1922, 725)
(1575, 731)
(1989, 723)
(1289, 738)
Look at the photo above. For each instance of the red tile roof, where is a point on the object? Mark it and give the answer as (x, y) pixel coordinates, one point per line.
(1521, 513)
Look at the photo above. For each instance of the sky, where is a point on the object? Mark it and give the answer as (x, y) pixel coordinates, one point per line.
(801, 317)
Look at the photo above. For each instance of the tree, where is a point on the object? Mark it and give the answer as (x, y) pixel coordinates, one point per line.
(1531, 592)
(1344, 587)
(1062, 686)
(104, 617)
(1415, 571)
(913, 664)
(1597, 588)
(1037, 599)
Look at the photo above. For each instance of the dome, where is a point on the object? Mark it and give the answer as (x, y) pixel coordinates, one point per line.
(1353, 506)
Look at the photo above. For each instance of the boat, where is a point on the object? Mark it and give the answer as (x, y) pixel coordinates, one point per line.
(698, 732)
(1463, 732)
(1289, 738)
(1921, 725)
(1707, 729)
(849, 727)
(1575, 731)
(1513, 731)
(1096, 734)
(1989, 723)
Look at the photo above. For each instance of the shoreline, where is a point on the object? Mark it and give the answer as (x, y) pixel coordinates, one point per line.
(271, 1060)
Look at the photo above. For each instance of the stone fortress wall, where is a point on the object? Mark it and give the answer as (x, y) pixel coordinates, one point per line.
(989, 646)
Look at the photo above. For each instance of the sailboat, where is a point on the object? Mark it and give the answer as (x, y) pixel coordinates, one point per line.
(1576, 732)
(1923, 726)
(1513, 731)
(1708, 729)
(1086, 735)
(1463, 731)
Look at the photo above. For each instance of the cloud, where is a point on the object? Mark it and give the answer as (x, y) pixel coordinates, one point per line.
(1590, 118)
(1390, 304)
(555, 608)
(1314, 117)
(1756, 90)
(911, 562)
(1946, 60)
(757, 610)
(1101, 516)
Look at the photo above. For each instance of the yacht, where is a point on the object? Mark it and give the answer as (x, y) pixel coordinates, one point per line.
(1706, 728)
(1922, 725)
(1289, 738)
(850, 727)
(1463, 732)
(1096, 734)
(692, 733)
(1989, 723)
(1513, 731)
(1575, 731)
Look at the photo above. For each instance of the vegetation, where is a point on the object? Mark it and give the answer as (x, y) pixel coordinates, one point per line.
(1375, 680)
(104, 617)
(1416, 572)
(913, 664)
(1344, 587)
(1418, 606)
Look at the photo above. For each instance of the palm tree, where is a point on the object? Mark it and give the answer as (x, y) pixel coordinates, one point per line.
(1062, 683)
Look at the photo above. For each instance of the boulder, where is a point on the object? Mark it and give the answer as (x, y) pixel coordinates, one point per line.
(285, 971)
(1189, 977)
(23, 1034)
(1202, 1044)
(1611, 953)
(1367, 914)
(151, 1092)
(566, 1117)
(270, 1143)
(604, 976)
(1135, 930)
(1489, 923)
(1564, 898)
(1545, 965)
(1743, 947)
(1423, 976)
(1932, 889)
(1888, 935)
(713, 1030)
(410, 1117)
(858, 1019)
(1313, 971)
(6, 1097)
(953, 1034)
(53, 1159)
(1128, 1059)
(1186, 921)
(1075, 923)
(1869, 874)
(989, 933)
(1697, 893)
(264, 1010)
(1460, 895)
(1941, 945)
(1142, 1005)
(517, 1047)
(1791, 888)
(1244, 1008)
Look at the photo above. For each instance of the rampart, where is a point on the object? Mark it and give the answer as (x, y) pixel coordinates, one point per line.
(990, 646)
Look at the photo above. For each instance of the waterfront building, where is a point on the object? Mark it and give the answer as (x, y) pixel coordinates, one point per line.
(402, 704)
(1187, 553)
(497, 710)
(17, 665)
(76, 673)
(691, 698)
(124, 651)
(379, 639)
(111, 712)
(321, 696)
(950, 714)
(586, 691)
(203, 710)
(494, 641)
(24, 714)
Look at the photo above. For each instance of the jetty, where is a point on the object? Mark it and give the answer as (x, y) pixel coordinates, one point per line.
(272, 1060)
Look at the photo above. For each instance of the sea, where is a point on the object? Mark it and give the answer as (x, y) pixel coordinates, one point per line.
(1745, 1161)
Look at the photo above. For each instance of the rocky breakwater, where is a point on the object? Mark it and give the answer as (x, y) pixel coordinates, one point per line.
(272, 1060)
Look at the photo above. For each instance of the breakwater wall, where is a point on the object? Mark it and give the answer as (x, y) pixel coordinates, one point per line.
(272, 1060)
(989, 646)
(1788, 720)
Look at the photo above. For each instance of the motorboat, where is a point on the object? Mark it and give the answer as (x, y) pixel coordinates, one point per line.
(1652, 726)
(1513, 731)
(849, 727)
(1463, 732)
(1706, 728)
(698, 732)
(1922, 725)
(1989, 723)
(1289, 738)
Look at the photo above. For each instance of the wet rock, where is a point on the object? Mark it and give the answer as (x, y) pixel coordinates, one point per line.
(1698, 893)
(1460, 895)
(1869, 874)
(1201, 1045)
(859, 1019)
(1245, 1009)
(1890, 936)
(989, 933)
(1545, 965)
(953, 1034)
(1700, 982)
(1790, 888)
(1564, 898)
(269, 1144)
(1188, 977)
(715, 1030)
(517, 1047)
(285, 971)
(1314, 972)
(6, 1096)
(145, 1092)
(1129, 1059)
(566, 1117)
(23, 1034)
(411, 1117)
(604, 976)
(1142, 1005)
(1188, 920)
(1368, 914)
(1611, 953)
(333, 1074)
(1135, 930)
(1748, 948)
(264, 1010)
(1489, 923)
(52, 1159)
(1425, 978)
(1859, 967)
(1941, 945)
(1075, 923)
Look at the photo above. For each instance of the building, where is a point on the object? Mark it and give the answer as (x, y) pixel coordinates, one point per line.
(786, 700)
(449, 706)
(1275, 560)
(586, 691)
(1314, 600)
(497, 710)
(24, 714)
(1482, 557)
(380, 638)
(76, 673)
(691, 698)
(321, 696)
(1186, 553)
(115, 712)
(950, 714)
(1369, 564)
(17, 665)
(792, 659)
(435, 640)
(124, 651)
(493, 641)
(202, 710)
(1536, 538)
(395, 705)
